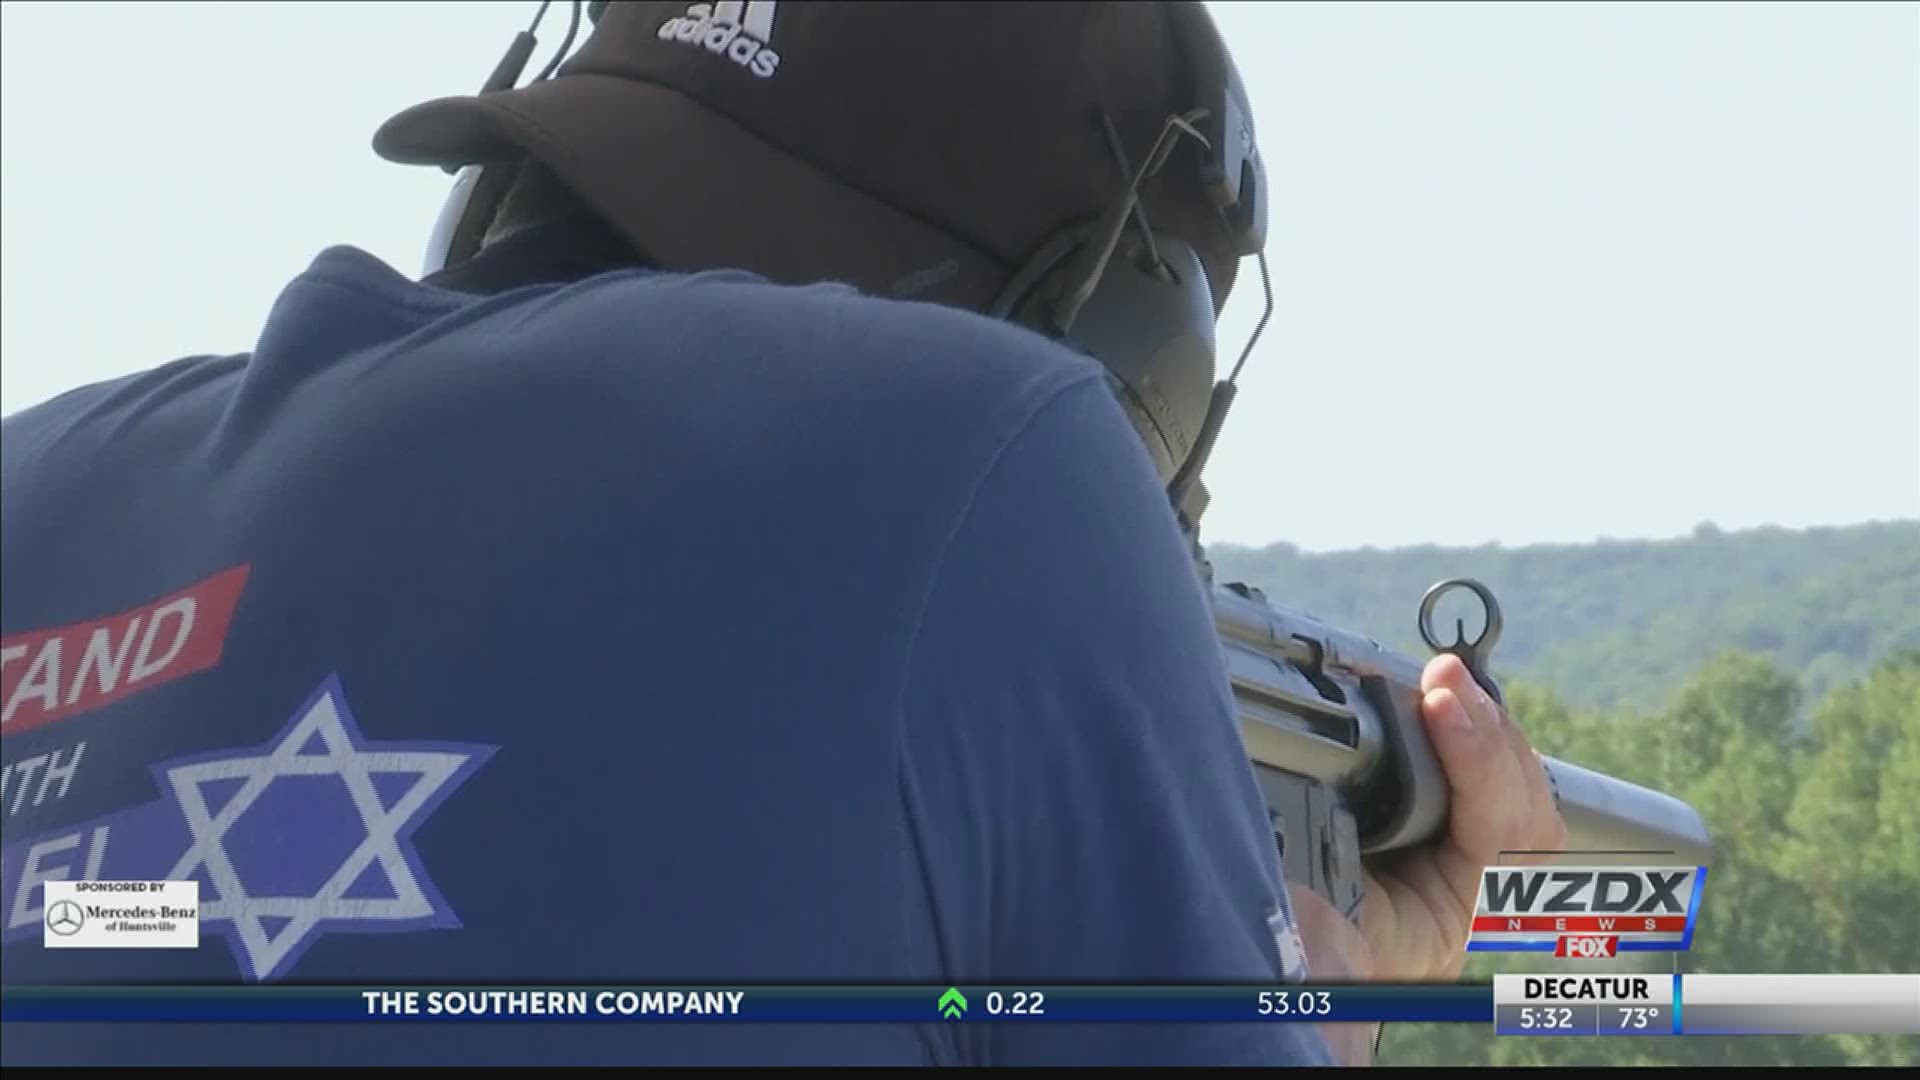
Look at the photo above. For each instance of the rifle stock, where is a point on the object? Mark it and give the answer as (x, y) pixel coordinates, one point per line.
(1331, 722)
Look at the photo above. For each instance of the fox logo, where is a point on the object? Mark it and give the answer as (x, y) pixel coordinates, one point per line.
(1587, 946)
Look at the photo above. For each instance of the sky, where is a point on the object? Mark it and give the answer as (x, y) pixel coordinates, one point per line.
(1542, 273)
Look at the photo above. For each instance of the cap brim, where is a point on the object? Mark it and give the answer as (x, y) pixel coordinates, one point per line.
(692, 188)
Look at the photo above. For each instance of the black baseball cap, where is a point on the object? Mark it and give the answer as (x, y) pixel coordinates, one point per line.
(923, 149)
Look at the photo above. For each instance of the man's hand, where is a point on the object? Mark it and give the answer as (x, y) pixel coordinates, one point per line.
(1417, 905)
(1336, 952)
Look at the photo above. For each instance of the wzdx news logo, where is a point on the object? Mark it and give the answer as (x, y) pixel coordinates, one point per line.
(1586, 912)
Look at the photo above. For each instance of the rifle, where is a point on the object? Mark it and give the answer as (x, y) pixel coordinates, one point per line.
(1331, 720)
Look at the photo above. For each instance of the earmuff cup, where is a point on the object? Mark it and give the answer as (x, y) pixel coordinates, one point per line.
(1150, 327)
(446, 243)
(467, 213)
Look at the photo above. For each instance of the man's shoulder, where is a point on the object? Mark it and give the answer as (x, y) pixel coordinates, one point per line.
(621, 370)
(352, 333)
(731, 321)
(764, 378)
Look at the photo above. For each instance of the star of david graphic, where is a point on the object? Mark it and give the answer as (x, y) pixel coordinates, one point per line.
(269, 932)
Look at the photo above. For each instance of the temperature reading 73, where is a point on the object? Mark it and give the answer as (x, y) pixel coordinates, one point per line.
(1636, 1017)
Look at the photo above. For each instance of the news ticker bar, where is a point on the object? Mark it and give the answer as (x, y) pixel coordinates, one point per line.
(1464, 1003)
(1706, 1004)
(1557, 1004)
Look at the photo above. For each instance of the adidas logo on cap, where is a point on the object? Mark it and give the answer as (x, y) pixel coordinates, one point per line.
(738, 31)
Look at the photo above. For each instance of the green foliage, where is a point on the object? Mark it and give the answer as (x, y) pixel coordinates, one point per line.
(1815, 866)
(1771, 679)
(1626, 622)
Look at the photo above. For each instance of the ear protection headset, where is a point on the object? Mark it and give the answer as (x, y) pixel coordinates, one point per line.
(469, 208)
(1136, 299)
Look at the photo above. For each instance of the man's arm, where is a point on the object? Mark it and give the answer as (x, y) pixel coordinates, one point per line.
(1071, 769)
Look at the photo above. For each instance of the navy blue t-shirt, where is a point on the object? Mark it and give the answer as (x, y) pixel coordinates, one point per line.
(648, 629)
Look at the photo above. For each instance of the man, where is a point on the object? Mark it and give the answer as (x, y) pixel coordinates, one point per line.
(638, 601)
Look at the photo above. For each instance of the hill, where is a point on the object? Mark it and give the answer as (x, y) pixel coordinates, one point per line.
(1625, 623)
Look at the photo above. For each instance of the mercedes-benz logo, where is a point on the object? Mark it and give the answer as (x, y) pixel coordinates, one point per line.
(65, 918)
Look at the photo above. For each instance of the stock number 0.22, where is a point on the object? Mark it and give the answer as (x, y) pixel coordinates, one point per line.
(1016, 1003)
(1294, 1003)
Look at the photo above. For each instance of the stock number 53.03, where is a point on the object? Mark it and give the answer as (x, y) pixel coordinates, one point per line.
(1294, 1003)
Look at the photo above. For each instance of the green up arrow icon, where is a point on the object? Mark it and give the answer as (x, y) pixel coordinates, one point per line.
(953, 1004)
